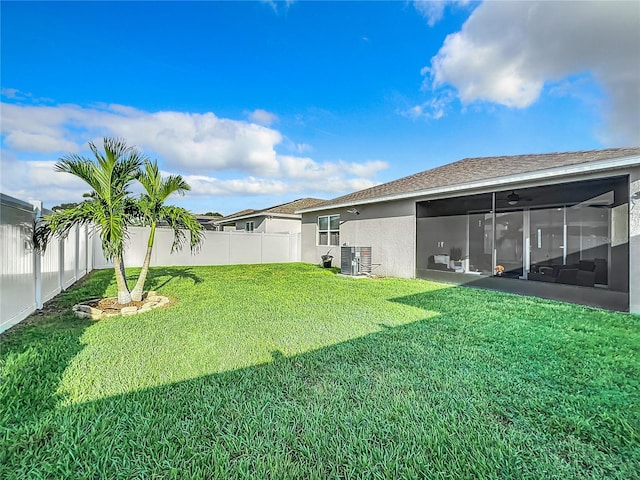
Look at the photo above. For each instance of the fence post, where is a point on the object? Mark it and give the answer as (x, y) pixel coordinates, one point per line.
(76, 254)
(86, 249)
(61, 263)
(37, 258)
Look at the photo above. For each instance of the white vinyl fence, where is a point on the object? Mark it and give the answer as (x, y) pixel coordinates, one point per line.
(218, 248)
(28, 279)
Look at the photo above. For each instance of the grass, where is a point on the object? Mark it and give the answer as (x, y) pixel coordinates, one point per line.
(289, 371)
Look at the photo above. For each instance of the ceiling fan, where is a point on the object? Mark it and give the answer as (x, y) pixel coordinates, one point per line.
(513, 198)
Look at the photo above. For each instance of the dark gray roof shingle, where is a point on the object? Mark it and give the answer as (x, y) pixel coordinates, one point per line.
(289, 208)
(476, 169)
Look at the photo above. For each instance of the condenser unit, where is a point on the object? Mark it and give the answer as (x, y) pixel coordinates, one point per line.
(355, 260)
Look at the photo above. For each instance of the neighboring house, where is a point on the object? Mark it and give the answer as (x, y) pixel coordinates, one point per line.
(208, 221)
(559, 225)
(278, 219)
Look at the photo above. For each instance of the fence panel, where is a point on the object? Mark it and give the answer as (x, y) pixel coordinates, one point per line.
(82, 251)
(218, 248)
(50, 268)
(275, 248)
(245, 248)
(17, 297)
(27, 278)
(69, 256)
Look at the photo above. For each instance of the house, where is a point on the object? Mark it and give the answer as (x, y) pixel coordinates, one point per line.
(278, 219)
(208, 221)
(561, 225)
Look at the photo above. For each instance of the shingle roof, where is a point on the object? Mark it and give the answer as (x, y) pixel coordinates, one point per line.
(207, 218)
(241, 213)
(476, 169)
(283, 209)
(291, 207)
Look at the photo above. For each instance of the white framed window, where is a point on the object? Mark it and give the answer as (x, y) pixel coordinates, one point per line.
(248, 227)
(329, 230)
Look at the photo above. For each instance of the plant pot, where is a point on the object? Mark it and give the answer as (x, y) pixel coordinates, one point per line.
(326, 261)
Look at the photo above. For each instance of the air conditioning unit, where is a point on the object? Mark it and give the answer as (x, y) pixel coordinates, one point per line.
(355, 260)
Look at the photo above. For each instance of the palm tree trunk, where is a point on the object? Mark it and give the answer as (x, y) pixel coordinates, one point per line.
(124, 296)
(136, 293)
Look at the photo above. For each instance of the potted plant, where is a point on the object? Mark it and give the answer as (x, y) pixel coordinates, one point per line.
(326, 259)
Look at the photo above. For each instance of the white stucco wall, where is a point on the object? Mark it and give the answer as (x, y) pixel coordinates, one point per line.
(388, 228)
(283, 225)
(271, 225)
(310, 250)
(258, 224)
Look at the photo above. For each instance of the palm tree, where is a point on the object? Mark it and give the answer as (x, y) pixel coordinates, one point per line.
(108, 207)
(152, 211)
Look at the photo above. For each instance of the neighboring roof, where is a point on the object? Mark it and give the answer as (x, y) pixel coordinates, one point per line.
(207, 218)
(284, 210)
(241, 213)
(291, 207)
(473, 170)
(207, 221)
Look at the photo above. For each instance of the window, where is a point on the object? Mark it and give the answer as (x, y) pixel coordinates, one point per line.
(329, 230)
(248, 227)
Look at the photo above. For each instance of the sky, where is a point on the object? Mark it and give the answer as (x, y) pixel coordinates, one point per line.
(260, 103)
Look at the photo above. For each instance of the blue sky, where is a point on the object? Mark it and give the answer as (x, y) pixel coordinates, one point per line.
(260, 103)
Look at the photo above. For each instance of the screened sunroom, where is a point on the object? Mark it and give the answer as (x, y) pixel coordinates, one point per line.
(567, 233)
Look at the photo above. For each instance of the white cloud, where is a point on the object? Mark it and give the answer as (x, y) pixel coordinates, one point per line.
(18, 95)
(250, 186)
(211, 186)
(217, 156)
(507, 52)
(434, 108)
(275, 3)
(367, 169)
(36, 180)
(303, 147)
(306, 168)
(433, 10)
(263, 117)
(192, 141)
(41, 143)
(10, 92)
(299, 148)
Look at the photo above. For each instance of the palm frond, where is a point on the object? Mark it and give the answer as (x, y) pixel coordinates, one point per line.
(181, 221)
(173, 184)
(60, 222)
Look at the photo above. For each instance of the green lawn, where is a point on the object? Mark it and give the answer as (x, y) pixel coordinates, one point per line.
(290, 371)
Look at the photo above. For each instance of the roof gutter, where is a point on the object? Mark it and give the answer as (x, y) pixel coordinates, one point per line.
(556, 172)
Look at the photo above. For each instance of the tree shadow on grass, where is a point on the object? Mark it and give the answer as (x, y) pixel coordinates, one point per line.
(159, 277)
(401, 402)
(467, 302)
(421, 400)
(94, 285)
